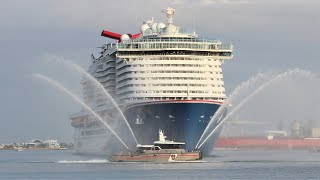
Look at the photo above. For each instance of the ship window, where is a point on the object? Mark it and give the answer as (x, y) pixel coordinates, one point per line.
(170, 146)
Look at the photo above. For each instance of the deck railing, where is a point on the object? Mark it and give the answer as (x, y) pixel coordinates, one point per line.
(173, 45)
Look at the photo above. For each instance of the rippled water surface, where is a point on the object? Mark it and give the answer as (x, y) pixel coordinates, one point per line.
(222, 165)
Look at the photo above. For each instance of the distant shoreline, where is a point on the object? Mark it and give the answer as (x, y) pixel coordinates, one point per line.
(32, 149)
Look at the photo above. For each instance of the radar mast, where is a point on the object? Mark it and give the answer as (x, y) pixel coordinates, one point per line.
(170, 12)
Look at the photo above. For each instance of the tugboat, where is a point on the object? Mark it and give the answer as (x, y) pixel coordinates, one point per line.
(161, 151)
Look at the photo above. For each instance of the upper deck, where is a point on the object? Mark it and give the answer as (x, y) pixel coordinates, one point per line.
(165, 39)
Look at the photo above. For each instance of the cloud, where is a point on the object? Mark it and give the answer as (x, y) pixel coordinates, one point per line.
(207, 2)
(267, 35)
(210, 2)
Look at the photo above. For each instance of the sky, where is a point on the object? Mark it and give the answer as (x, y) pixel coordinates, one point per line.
(268, 35)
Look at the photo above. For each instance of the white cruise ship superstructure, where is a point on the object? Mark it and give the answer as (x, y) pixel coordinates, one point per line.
(161, 78)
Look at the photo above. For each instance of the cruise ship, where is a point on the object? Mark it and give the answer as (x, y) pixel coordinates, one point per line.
(162, 78)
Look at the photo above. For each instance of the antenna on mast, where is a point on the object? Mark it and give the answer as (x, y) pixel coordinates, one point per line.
(194, 25)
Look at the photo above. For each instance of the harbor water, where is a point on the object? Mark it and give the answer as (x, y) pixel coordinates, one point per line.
(248, 164)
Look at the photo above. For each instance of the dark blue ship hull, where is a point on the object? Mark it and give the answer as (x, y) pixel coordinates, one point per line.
(182, 121)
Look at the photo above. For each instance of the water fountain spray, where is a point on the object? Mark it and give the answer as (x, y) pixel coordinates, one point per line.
(279, 76)
(63, 89)
(221, 109)
(97, 84)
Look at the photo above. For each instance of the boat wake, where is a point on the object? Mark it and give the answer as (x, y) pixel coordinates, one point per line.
(197, 161)
(93, 161)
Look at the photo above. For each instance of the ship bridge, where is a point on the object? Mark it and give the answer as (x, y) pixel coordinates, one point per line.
(174, 46)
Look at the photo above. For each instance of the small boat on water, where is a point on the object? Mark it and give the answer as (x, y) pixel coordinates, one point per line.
(18, 149)
(161, 151)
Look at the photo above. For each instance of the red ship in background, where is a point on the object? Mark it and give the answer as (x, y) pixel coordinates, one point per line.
(264, 143)
(300, 138)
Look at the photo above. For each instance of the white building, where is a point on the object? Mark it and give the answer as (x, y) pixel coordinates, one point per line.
(52, 143)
